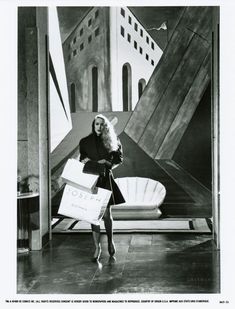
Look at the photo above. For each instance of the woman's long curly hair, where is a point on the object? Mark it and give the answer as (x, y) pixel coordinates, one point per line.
(109, 137)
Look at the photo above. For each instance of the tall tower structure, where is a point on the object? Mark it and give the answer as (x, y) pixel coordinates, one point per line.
(109, 58)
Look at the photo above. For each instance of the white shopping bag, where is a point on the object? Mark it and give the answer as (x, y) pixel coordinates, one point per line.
(73, 175)
(84, 206)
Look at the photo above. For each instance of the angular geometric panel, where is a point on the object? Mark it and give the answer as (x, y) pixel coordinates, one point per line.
(185, 112)
(172, 82)
(60, 119)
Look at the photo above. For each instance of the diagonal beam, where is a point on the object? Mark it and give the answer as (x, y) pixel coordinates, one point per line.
(185, 112)
(198, 20)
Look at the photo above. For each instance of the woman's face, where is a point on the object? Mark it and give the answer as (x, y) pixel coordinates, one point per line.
(99, 126)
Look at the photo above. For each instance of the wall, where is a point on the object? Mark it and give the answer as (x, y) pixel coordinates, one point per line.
(175, 88)
(216, 125)
(123, 52)
(27, 18)
(95, 53)
(43, 125)
(194, 150)
(60, 118)
(33, 111)
(109, 43)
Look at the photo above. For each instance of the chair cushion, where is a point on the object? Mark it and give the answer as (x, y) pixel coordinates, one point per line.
(140, 193)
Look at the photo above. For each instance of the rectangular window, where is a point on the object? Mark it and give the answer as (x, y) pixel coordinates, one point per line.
(89, 38)
(97, 31)
(136, 27)
(141, 32)
(135, 44)
(141, 50)
(74, 52)
(152, 45)
(96, 13)
(81, 46)
(147, 57)
(81, 32)
(147, 39)
(89, 22)
(128, 37)
(122, 31)
(122, 12)
(152, 62)
(129, 20)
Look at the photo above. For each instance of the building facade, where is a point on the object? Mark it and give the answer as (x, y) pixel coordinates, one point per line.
(109, 58)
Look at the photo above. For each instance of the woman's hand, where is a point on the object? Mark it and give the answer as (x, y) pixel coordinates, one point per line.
(106, 162)
(103, 161)
(84, 161)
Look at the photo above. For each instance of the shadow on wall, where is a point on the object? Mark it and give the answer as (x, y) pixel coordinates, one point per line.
(136, 162)
(194, 151)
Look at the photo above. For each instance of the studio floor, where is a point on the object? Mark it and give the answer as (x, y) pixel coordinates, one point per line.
(145, 263)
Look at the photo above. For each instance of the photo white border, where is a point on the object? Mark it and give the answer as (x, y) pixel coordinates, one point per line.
(8, 131)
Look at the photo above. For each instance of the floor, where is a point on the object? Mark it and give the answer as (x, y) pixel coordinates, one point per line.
(145, 263)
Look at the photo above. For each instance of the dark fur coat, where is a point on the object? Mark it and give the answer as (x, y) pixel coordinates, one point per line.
(92, 147)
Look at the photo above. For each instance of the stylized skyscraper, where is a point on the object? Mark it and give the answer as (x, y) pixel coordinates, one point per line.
(109, 58)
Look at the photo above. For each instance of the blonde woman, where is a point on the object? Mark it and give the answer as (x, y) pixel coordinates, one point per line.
(103, 147)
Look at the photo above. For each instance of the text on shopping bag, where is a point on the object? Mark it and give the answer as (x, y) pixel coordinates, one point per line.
(84, 206)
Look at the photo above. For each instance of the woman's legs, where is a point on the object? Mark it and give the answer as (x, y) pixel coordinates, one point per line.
(96, 239)
(108, 223)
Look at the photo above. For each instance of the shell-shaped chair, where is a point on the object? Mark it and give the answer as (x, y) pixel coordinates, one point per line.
(143, 197)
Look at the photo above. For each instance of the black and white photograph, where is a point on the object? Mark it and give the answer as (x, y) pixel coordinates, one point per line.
(118, 192)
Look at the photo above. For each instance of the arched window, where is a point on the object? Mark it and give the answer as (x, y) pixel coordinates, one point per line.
(126, 87)
(72, 98)
(94, 89)
(141, 86)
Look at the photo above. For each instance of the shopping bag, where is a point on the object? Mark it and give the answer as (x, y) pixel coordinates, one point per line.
(73, 175)
(84, 206)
